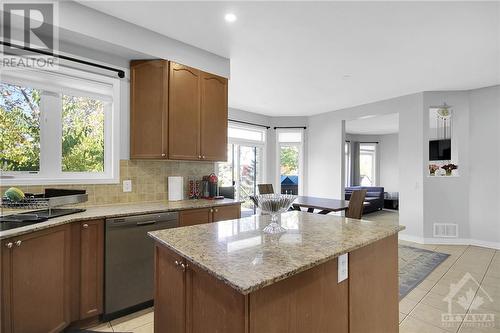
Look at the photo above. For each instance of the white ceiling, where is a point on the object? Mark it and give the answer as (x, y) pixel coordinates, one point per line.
(291, 58)
(378, 125)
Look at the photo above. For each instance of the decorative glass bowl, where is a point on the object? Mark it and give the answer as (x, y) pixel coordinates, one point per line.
(274, 205)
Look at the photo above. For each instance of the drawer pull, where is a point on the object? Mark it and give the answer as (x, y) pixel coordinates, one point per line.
(9, 245)
(18, 243)
(85, 226)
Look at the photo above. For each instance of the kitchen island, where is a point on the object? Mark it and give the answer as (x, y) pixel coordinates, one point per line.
(231, 277)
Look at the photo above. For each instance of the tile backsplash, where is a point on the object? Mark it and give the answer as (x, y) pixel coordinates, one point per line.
(149, 181)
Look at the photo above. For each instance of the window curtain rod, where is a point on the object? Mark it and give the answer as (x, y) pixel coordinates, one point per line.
(121, 74)
(303, 127)
(376, 142)
(247, 123)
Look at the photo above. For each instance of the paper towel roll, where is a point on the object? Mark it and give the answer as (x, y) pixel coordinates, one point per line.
(175, 188)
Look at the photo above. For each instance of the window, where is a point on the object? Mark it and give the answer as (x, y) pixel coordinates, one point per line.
(58, 127)
(347, 155)
(244, 168)
(367, 164)
(289, 155)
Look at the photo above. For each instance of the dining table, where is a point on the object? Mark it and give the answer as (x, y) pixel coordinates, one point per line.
(324, 205)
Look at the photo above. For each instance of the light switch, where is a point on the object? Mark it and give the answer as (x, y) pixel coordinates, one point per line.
(127, 186)
(343, 267)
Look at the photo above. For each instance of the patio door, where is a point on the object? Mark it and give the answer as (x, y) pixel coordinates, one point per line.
(244, 167)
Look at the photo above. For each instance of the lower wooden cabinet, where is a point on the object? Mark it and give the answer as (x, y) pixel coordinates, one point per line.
(195, 216)
(91, 268)
(36, 281)
(207, 215)
(52, 277)
(223, 213)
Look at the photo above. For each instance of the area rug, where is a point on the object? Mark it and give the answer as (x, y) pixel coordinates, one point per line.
(415, 265)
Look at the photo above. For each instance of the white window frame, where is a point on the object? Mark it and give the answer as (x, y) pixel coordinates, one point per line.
(300, 145)
(375, 160)
(53, 85)
(242, 142)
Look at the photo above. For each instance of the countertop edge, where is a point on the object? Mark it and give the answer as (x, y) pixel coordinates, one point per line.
(248, 290)
(75, 218)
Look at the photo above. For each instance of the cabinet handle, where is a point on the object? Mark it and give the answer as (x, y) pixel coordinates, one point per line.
(18, 243)
(211, 210)
(216, 210)
(163, 155)
(9, 245)
(203, 157)
(184, 266)
(199, 156)
(85, 226)
(177, 263)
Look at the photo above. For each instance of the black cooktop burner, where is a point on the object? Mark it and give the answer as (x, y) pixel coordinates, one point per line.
(23, 219)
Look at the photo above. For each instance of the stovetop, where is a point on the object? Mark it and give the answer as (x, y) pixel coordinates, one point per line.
(23, 219)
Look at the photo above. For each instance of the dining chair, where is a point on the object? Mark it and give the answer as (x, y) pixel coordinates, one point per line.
(265, 188)
(356, 204)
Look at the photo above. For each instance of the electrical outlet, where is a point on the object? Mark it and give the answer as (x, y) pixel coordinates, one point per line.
(343, 270)
(127, 186)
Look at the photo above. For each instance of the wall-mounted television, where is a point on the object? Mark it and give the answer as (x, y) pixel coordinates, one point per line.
(440, 150)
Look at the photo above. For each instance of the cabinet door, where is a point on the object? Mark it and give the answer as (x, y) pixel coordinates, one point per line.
(149, 109)
(211, 305)
(213, 117)
(170, 292)
(184, 113)
(36, 281)
(91, 268)
(195, 216)
(223, 213)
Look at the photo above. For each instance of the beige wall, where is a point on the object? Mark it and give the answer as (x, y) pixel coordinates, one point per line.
(149, 181)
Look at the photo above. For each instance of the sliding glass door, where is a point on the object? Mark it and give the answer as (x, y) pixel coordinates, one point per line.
(244, 168)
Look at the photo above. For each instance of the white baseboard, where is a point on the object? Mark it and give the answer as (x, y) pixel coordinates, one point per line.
(450, 241)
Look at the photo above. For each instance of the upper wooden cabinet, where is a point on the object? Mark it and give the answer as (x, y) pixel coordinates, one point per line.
(149, 109)
(184, 113)
(213, 117)
(177, 112)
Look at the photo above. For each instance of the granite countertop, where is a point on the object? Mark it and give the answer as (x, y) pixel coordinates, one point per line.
(115, 210)
(240, 254)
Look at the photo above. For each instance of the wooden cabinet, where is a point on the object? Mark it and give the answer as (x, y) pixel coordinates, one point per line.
(183, 303)
(170, 291)
(207, 215)
(177, 112)
(184, 113)
(195, 216)
(222, 213)
(213, 139)
(188, 299)
(149, 109)
(373, 281)
(91, 268)
(52, 277)
(35, 281)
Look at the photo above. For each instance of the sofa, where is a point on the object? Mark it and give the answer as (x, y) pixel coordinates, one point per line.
(374, 197)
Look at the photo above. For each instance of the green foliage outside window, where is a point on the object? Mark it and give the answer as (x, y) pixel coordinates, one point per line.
(83, 134)
(19, 128)
(82, 131)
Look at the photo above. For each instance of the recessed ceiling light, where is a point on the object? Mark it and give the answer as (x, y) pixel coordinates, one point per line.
(346, 76)
(230, 17)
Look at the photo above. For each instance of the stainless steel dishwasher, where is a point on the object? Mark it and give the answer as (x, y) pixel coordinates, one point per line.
(129, 257)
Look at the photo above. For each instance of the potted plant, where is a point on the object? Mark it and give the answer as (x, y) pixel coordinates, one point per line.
(449, 168)
(433, 168)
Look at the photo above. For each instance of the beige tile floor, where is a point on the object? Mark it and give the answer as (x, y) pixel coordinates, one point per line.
(421, 310)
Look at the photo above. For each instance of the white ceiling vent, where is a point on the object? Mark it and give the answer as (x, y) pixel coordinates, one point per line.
(446, 230)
